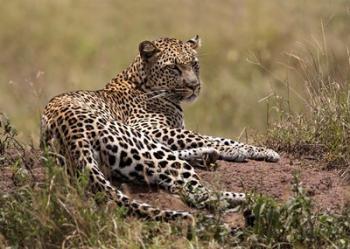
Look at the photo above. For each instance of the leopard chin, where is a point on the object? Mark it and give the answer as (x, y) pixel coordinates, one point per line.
(191, 98)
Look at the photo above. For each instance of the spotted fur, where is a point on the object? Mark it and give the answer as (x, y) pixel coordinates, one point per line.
(134, 127)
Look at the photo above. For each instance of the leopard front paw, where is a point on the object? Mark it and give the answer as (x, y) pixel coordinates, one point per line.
(263, 154)
(271, 156)
(234, 155)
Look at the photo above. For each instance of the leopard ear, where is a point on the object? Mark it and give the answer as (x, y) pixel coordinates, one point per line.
(195, 42)
(147, 50)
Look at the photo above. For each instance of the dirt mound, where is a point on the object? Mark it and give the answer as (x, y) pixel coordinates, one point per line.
(20, 166)
(326, 188)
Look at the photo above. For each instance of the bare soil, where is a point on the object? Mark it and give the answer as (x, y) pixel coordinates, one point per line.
(326, 188)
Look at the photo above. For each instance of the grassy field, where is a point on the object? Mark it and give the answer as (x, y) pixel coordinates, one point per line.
(276, 71)
(248, 56)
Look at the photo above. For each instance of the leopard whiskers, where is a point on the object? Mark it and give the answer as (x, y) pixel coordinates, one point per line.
(167, 93)
(157, 94)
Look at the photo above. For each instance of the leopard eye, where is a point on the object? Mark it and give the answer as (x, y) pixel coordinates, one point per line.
(174, 68)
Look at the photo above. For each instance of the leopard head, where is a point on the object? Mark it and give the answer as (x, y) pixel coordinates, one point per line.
(171, 68)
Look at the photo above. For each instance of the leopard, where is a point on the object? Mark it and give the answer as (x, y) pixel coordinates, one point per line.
(134, 128)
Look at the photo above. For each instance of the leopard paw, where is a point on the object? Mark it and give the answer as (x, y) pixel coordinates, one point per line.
(234, 155)
(271, 156)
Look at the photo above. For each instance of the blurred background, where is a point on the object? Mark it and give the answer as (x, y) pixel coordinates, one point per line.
(252, 53)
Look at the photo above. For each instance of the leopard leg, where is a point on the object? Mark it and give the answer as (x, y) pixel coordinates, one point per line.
(228, 149)
(237, 153)
(140, 158)
(197, 153)
(248, 151)
(83, 154)
(203, 157)
(201, 197)
(213, 153)
(178, 139)
(262, 153)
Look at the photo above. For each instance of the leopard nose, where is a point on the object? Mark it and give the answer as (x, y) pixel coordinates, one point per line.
(193, 84)
(193, 87)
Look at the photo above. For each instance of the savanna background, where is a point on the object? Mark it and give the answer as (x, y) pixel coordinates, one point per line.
(249, 55)
(276, 72)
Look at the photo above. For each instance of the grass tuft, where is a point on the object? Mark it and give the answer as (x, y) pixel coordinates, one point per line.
(322, 130)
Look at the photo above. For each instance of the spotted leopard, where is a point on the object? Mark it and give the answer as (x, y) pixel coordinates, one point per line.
(134, 127)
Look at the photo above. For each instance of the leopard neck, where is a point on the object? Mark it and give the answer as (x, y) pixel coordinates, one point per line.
(131, 77)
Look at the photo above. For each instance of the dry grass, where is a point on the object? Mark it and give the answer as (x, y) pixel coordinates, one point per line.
(322, 131)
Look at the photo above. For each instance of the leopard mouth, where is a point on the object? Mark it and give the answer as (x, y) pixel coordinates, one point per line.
(192, 94)
(177, 94)
(191, 98)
